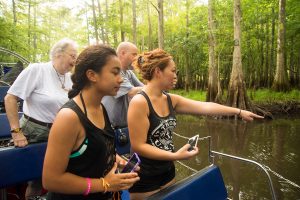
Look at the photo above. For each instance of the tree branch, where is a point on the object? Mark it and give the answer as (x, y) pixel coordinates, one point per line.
(154, 6)
(293, 71)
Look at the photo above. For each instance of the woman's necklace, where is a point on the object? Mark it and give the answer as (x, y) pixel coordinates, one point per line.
(61, 80)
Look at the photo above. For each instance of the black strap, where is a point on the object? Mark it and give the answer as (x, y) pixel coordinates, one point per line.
(83, 104)
(170, 104)
(148, 101)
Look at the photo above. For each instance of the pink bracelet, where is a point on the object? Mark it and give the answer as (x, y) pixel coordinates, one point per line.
(88, 189)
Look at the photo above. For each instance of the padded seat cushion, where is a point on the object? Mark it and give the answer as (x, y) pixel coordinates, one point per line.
(205, 184)
(21, 164)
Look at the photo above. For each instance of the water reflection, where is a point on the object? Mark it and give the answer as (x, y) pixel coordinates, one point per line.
(275, 143)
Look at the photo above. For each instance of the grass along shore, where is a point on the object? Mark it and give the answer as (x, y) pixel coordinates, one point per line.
(278, 103)
(256, 96)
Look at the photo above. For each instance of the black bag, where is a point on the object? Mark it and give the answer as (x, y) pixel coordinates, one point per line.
(122, 140)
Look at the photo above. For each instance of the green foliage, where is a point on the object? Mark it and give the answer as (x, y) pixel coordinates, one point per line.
(192, 94)
(33, 36)
(265, 95)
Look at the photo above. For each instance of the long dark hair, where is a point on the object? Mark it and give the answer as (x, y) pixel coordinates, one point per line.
(93, 57)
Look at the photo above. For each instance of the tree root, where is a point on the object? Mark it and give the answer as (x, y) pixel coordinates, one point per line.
(271, 109)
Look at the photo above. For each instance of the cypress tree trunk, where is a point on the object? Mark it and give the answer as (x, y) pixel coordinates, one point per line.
(237, 96)
(134, 22)
(150, 45)
(160, 4)
(213, 81)
(187, 56)
(121, 21)
(280, 80)
(101, 22)
(95, 22)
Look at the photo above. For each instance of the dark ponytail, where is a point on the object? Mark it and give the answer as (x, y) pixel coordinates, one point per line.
(93, 57)
(74, 91)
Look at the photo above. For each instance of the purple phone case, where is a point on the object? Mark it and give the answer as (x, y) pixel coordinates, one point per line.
(131, 168)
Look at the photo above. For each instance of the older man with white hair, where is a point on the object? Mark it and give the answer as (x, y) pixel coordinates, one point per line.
(44, 88)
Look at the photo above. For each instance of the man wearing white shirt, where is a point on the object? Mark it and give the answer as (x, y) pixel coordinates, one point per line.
(44, 88)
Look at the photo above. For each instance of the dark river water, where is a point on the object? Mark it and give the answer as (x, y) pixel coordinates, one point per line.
(274, 143)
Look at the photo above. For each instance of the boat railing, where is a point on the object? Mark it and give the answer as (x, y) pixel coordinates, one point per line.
(212, 154)
(23, 59)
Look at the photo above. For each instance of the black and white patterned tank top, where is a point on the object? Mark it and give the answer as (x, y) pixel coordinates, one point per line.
(160, 135)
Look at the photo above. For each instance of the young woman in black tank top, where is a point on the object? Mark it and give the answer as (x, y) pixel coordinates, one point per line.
(151, 120)
(80, 161)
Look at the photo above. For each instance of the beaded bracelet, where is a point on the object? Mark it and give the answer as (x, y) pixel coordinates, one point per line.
(88, 189)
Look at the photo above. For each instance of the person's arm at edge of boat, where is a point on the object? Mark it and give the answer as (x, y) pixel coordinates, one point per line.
(188, 106)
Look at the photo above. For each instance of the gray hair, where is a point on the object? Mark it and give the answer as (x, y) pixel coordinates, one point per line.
(61, 47)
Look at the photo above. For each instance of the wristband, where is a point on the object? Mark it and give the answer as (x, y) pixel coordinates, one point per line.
(88, 189)
(240, 113)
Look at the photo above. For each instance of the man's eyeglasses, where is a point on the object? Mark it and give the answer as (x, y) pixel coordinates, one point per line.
(73, 56)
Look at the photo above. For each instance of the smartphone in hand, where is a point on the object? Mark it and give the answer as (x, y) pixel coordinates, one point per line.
(193, 142)
(132, 163)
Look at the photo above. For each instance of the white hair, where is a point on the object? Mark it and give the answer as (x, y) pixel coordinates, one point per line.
(61, 47)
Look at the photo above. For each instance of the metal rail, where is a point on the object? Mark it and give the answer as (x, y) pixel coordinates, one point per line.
(23, 59)
(211, 155)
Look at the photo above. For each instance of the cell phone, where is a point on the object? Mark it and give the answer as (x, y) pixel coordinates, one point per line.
(132, 163)
(193, 142)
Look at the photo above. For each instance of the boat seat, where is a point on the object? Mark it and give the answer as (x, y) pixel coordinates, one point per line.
(205, 184)
(21, 164)
(3, 91)
(4, 125)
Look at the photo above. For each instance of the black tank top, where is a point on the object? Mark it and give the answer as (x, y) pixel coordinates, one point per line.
(94, 158)
(160, 135)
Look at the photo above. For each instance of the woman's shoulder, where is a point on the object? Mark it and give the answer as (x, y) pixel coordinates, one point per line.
(175, 99)
(138, 106)
(68, 121)
(138, 102)
(67, 114)
(138, 99)
(174, 96)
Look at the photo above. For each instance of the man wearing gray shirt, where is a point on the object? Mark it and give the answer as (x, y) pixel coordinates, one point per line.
(117, 106)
